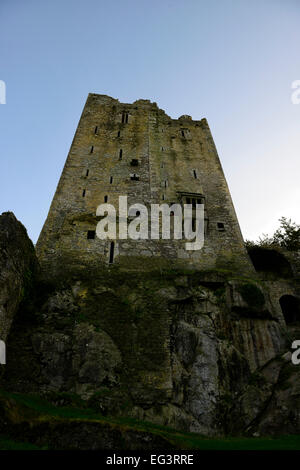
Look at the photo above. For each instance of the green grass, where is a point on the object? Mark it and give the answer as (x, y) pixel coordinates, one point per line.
(8, 444)
(182, 440)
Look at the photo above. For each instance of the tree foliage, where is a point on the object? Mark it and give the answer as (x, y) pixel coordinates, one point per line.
(286, 236)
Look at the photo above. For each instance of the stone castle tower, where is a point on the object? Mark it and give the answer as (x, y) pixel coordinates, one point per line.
(137, 150)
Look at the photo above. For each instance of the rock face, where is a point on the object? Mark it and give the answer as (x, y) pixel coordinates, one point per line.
(197, 351)
(184, 350)
(270, 402)
(18, 266)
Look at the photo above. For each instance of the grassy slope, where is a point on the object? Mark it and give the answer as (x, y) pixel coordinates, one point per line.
(46, 411)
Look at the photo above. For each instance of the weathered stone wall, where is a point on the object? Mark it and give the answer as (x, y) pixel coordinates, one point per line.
(170, 153)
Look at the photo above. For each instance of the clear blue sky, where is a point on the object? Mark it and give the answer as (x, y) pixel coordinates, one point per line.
(231, 61)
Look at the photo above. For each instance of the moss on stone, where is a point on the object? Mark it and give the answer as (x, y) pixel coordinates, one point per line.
(252, 295)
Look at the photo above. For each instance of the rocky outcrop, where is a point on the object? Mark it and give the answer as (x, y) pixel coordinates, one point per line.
(188, 351)
(270, 402)
(18, 267)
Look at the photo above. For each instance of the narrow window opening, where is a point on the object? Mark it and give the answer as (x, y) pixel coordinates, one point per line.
(105, 198)
(124, 117)
(92, 149)
(188, 200)
(87, 172)
(120, 154)
(96, 130)
(182, 133)
(166, 183)
(206, 224)
(83, 193)
(163, 197)
(194, 225)
(134, 162)
(162, 149)
(91, 234)
(119, 133)
(111, 180)
(220, 226)
(195, 174)
(111, 252)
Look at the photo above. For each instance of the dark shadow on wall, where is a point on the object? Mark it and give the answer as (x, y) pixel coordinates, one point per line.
(290, 307)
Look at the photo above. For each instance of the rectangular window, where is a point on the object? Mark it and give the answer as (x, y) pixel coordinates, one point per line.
(96, 130)
(111, 180)
(92, 149)
(87, 172)
(105, 198)
(124, 117)
(111, 252)
(91, 235)
(120, 154)
(134, 162)
(83, 193)
(195, 174)
(220, 226)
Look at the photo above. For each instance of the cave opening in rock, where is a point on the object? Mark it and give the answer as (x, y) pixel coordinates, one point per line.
(270, 262)
(290, 306)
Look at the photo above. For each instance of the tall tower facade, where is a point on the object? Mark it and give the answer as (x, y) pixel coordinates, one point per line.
(137, 150)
